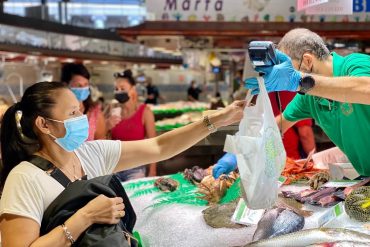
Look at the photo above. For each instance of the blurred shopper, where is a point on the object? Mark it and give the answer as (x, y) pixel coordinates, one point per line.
(132, 121)
(77, 78)
(217, 102)
(238, 79)
(152, 92)
(194, 91)
(141, 87)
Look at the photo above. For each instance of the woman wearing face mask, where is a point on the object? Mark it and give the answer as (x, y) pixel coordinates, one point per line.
(77, 78)
(135, 123)
(47, 122)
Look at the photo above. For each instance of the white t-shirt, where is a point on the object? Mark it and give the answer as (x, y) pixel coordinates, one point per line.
(28, 190)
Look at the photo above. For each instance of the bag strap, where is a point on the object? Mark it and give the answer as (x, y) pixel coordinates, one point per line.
(50, 169)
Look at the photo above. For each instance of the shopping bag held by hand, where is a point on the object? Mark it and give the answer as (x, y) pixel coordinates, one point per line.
(259, 151)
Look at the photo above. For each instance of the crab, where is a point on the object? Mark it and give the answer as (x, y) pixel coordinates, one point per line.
(317, 180)
(195, 174)
(214, 189)
(166, 184)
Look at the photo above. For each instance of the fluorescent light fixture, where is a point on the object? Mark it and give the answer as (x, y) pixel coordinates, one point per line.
(51, 59)
(69, 60)
(339, 45)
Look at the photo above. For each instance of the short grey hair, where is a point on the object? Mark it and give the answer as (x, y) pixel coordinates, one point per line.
(300, 40)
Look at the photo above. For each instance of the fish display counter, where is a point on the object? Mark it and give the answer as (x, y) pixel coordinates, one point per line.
(163, 222)
(185, 209)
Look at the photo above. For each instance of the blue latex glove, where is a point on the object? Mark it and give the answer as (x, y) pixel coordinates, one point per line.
(280, 77)
(225, 165)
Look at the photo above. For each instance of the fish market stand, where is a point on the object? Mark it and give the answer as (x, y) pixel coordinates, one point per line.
(183, 225)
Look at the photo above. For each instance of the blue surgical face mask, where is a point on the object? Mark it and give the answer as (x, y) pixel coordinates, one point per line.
(77, 132)
(81, 92)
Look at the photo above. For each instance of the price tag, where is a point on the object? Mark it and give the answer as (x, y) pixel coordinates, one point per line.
(281, 181)
(341, 184)
(244, 215)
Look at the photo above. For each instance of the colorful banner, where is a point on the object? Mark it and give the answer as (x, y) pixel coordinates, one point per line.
(249, 11)
(304, 4)
(333, 7)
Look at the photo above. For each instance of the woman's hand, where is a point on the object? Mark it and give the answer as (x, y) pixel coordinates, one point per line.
(112, 121)
(233, 113)
(104, 210)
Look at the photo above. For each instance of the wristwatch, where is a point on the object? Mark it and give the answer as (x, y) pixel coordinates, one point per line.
(306, 83)
(211, 127)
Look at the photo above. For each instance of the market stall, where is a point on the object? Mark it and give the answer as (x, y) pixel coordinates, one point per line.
(187, 214)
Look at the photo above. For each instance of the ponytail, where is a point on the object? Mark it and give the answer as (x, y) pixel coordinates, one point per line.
(127, 74)
(13, 147)
(18, 138)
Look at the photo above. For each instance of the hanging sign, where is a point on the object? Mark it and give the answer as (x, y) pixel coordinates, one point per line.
(258, 10)
(304, 4)
(333, 7)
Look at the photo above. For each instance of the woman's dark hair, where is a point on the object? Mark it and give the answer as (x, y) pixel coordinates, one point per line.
(88, 103)
(19, 141)
(127, 74)
(71, 69)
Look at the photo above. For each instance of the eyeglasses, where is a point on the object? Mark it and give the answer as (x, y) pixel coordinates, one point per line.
(300, 63)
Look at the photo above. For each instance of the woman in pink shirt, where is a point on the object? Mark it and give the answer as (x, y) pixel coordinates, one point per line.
(136, 121)
(77, 77)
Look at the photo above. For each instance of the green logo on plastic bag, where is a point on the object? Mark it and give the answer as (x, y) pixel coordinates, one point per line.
(273, 149)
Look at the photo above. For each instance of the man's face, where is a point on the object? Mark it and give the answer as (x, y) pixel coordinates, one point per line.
(301, 64)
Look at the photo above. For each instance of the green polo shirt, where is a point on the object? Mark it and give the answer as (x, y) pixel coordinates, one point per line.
(347, 125)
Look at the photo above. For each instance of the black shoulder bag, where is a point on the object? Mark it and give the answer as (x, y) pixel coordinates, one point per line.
(76, 195)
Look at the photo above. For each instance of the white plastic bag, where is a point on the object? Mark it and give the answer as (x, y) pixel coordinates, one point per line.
(259, 150)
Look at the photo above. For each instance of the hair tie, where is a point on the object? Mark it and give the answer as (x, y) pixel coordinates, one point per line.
(18, 117)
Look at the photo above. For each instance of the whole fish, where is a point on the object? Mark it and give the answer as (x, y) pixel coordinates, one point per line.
(314, 236)
(264, 226)
(323, 197)
(349, 189)
(293, 205)
(276, 222)
(341, 244)
(313, 199)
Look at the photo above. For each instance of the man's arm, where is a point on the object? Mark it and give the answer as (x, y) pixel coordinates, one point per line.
(283, 77)
(344, 89)
(283, 124)
(307, 138)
